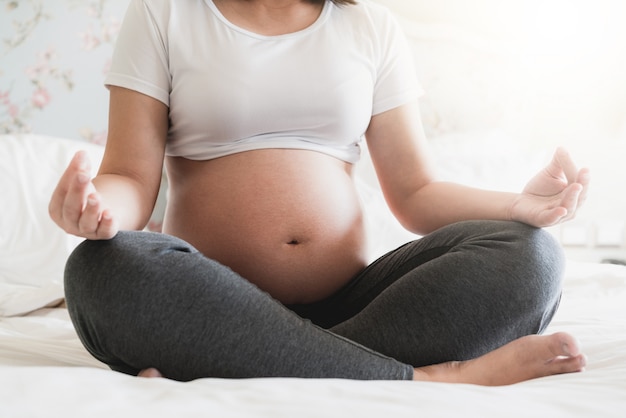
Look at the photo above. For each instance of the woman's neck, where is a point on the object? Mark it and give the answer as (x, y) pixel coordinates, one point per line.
(270, 17)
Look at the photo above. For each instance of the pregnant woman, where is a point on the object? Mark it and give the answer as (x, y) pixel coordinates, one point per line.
(258, 110)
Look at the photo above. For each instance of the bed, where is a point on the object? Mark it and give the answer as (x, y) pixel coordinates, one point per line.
(45, 371)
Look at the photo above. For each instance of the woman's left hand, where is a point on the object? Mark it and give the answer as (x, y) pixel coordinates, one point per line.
(554, 194)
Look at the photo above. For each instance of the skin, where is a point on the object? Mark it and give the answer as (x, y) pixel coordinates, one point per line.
(286, 204)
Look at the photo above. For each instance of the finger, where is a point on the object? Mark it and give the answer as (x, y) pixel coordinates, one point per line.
(90, 216)
(565, 162)
(551, 217)
(76, 199)
(107, 228)
(78, 163)
(96, 222)
(584, 178)
(570, 200)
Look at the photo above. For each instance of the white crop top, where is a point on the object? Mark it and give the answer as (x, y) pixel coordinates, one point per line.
(230, 90)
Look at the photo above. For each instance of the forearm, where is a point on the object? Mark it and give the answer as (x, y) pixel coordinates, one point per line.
(438, 204)
(127, 200)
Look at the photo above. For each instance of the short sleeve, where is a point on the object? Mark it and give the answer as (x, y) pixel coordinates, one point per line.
(140, 59)
(396, 80)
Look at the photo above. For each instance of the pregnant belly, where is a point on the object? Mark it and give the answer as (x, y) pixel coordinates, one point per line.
(287, 220)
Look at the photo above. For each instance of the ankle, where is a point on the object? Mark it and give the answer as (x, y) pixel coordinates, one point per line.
(449, 372)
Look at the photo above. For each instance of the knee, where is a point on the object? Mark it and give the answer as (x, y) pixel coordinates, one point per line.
(538, 253)
(537, 284)
(115, 267)
(105, 282)
(520, 249)
(83, 262)
(94, 274)
(88, 282)
(93, 261)
(518, 255)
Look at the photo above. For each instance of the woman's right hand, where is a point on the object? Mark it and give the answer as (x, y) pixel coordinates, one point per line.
(77, 207)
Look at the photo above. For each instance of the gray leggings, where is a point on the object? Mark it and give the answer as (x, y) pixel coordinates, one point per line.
(151, 300)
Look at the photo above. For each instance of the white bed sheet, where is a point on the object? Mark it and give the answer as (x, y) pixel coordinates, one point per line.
(45, 372)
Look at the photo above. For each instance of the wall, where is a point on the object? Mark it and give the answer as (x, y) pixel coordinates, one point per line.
(53, 57)
(547, 70)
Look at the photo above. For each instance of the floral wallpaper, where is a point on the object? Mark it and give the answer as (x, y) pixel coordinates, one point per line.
(54, 55)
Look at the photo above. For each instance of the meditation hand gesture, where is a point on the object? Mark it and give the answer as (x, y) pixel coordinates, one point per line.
(554, 194)
(76, 205)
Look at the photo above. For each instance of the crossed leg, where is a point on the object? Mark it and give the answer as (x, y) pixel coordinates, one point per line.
(97, 286)
(523, 359)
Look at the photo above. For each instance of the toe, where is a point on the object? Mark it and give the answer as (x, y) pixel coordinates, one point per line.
(151, 372)
(563, 345)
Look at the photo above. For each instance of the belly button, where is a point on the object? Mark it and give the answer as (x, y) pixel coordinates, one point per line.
(293, 242)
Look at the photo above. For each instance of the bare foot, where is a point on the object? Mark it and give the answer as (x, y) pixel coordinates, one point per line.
(523, 359)
(150, 373)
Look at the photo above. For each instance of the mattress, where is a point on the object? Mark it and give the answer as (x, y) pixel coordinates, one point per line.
(45, 372)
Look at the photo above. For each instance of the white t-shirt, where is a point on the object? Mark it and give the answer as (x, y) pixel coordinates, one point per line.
(230, 90)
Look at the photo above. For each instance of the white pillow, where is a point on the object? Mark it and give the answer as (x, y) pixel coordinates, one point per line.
(33, 250)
